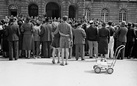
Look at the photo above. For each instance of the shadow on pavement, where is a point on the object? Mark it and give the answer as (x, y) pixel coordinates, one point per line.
(131, 59)
(4, 59)
(92, 72)
(41, 63)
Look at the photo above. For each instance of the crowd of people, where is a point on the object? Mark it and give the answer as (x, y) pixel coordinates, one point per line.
(42, 37)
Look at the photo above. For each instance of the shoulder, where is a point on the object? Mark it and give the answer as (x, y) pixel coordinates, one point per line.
(81, 29)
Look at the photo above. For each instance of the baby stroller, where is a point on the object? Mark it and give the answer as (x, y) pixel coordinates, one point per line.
(102, 64)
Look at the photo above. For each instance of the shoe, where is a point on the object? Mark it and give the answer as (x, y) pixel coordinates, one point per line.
(62, 64)
(91, 57)
(53, 61)
(66, 63)
(82, 59)
(10, 59)
(58, 61)
(16, 59)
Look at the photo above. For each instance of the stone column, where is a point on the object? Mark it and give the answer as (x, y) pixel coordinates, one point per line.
(41, 7)
(65, 8)
(81, 9)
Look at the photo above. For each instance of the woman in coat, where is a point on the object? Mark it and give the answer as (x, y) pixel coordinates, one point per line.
(104, 36)
(27, 29)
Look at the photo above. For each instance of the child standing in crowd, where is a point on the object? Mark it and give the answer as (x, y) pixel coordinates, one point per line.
(36, 32)
(55, 43)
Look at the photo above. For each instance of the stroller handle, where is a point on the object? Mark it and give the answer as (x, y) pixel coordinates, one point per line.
(118, 49)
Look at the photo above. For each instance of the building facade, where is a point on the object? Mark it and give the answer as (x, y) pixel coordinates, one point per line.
(105, 10)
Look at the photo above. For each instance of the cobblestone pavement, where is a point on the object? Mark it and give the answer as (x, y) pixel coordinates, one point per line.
(41, 72)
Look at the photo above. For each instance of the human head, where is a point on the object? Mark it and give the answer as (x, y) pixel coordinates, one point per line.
(103, 24)
(110, 23)
(123, 24)
(91, 22)
(129, 24)
(11, 21)
(27, 19)
(65, 18)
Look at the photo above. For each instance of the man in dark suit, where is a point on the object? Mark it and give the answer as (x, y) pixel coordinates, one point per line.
(131, 36)
(79, 41)
(13, 38)
(92, 37)
(121, 33)
(46, 38)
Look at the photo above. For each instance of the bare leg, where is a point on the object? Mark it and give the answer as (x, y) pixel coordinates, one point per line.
(62, 56)
(53, 55)
(67, 54)
(58, 55)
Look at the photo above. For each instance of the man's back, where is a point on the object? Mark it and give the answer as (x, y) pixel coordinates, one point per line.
(79, 36)
(45, 33)
(13, 32)
(92, 33)
(65, 29)
(122, 34)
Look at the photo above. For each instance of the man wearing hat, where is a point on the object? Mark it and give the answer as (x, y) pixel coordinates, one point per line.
(121, 33)
(92, 37)
(79, 41)
(46, 38)
(13, 38)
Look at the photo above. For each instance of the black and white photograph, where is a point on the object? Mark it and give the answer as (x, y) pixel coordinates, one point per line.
(68, 42)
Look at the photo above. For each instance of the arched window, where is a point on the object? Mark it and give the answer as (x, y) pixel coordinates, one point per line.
(105, 14)
(13, 10)
(53, 10)
(33, 10)
(87, 14)
(122, 15)
(72, 11)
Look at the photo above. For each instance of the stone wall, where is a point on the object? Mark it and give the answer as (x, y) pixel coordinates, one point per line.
(114, 8)
(95, 8)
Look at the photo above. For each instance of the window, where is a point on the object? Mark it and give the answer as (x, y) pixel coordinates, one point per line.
(122, 15)
(33, 10)
(87, 14)
(104, 14)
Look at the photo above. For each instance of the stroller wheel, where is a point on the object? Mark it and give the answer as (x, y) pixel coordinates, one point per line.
(95, 66)
(110, 70)
(97, 70)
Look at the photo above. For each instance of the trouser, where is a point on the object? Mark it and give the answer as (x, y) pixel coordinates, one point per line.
(86, 47)
(13, 50)
(93, 45)
(46, 49)
(36, 48)
(80, 51)
(129, 49)
(110, 48)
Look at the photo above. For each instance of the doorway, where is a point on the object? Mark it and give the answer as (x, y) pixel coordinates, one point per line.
(33, 10)
(13, 11)
(53, 10)
(72, 11)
